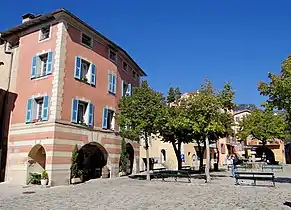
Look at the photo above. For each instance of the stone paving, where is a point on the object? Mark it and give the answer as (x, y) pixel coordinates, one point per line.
(125, 193)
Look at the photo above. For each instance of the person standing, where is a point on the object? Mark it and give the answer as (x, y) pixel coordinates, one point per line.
(233, 166)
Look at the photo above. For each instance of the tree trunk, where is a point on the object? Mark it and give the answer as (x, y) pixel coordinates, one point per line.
(147, 157)
(178, 154)
(201, 150)
(207, 167)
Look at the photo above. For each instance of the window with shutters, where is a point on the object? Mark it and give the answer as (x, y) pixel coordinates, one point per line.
(41, 65)
(82, 112)
(112, 83)
(87, 40)
(45, 33)
(85, 71)
(126, 89)
(37, 109)
(108, 121)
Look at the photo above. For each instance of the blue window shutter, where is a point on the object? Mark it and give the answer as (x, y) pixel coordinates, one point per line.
(74, 114)
(129, 90)
(29, 110)
(91, 114)
(77, 73)
(93, 74)
(49, 68)
(122, 90)
(33, 67)
(45, 108)
(110, 82)
(105, 117)
(114, 84)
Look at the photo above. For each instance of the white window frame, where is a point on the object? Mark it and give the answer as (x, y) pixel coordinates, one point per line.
(41, 70)
(91, 43)
(40, 34)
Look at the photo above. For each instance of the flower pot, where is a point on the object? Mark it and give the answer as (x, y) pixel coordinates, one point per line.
(75, 180)
(44, 181)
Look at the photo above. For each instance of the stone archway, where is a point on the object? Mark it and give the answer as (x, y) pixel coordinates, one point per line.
(269, 155)
(36, 160)
(92, 158)
(130, 158)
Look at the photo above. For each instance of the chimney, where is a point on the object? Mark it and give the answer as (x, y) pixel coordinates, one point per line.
(27, 17)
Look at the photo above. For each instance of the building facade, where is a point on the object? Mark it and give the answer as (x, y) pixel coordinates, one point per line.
(68, 83)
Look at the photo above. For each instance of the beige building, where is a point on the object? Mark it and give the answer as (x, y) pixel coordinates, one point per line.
(163, 155)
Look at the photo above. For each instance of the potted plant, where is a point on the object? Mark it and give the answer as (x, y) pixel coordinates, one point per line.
(44, 178)
(76, 173)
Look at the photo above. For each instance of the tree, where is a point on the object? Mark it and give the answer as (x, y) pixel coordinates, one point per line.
(75, 170)
(123, 158)
(278, 90)
(174, 127)
(140, 114)
(263, 125)
(209, 115)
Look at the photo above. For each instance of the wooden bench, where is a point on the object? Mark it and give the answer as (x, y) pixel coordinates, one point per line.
(173, 173)
(272, 167)
(256, 176)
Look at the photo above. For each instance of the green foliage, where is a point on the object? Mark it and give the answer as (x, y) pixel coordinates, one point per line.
(44, 175)
(278, 90)
(75, 170)
(140, 113)
(123, 158)
(263, 125)
(208, 111)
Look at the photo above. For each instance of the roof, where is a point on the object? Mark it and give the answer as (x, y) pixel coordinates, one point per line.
(51, 16)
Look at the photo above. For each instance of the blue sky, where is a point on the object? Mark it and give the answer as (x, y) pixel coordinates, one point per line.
(179, 43)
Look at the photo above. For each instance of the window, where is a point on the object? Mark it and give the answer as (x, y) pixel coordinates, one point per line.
(44, 33)
(163, 156)
(112, 55)
(125, 89)
(87, 40)
(85, 71)
(82, 112)
(124, 66)
(41, 65)
(108, 120)
(37, 109)
(112, 83)
(134, 75)
(237, 119)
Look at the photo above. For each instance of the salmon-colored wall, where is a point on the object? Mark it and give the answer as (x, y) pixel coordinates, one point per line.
(98, 95)
(25, 87)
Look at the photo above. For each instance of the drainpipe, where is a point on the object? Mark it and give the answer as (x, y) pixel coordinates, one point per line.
(3, 111)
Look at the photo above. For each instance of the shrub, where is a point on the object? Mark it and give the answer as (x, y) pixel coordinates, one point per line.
(44, 175)
(75, 170)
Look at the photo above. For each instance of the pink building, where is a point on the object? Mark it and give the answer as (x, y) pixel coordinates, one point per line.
(68, 84)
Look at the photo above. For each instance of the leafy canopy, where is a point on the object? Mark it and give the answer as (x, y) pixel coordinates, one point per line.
(263, 125)
(141, 112)
(208, 111)
(278, 90)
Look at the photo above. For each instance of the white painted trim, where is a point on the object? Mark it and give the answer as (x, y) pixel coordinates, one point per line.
(39, 34)
(58, 154)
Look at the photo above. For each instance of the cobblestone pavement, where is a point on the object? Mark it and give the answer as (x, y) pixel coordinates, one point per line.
(125, 193)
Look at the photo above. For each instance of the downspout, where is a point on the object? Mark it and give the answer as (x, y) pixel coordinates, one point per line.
(3, 111)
